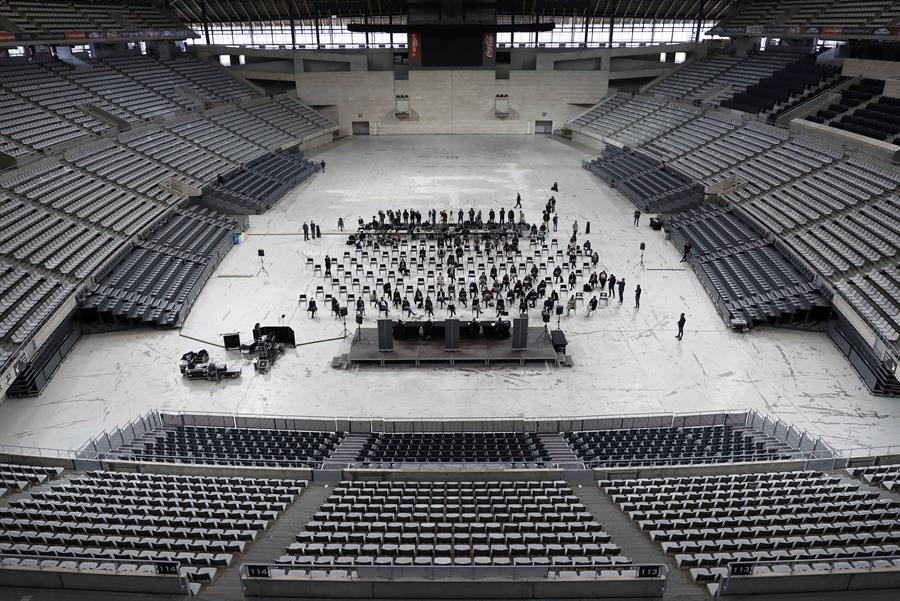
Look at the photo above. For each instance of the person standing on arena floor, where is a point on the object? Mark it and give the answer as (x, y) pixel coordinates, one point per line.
(621, 285)
(340, 224)
(637, 297)
(612, 285)
(327, 266)
(686, 254)
(318, 232)
(574, 228)
(502, 216)
(323, 165)
(312, 228)
(451, 308)
(681, 322)
(637, 217)
(518, 201)
(305, 232)
(555, 221)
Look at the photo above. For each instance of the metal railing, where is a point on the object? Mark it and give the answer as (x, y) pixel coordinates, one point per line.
(102, 566)
(746, 568)
(437, 572)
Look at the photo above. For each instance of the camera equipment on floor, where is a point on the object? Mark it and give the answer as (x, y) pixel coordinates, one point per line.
(197, 366)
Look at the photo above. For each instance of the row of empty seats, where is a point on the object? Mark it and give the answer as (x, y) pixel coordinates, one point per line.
(259, 184)
(518, 449)
(422, 523)
(707, 522)
(806, 12)
(794, 79)
(158, 280)
(16, 477)
(876, 295)
(45, 100)
(396, 450)
(748, 279)
(27, 300)
(675, 445)
(236, 446)
(202, 523)
(885, 476)
(38, 16)
(652, 186)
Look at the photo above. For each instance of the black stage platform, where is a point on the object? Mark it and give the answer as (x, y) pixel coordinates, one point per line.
(484, 351)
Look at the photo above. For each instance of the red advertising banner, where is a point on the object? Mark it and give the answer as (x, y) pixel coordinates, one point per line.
(5, 36)
(75, 35)
(415, 45)
(489, 40)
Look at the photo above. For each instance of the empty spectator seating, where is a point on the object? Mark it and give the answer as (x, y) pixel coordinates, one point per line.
(514, 449)
(231, 446)
(259, 184)
(62, 188)
(856, 13)
(885, 476)
(647, 183)
(749, 71)
(158, 280)
(879, 119)
(441, 524)
(215, 83)
(780, 87)
(27, 299)
(708, 522)
(826, 87)
(127, 168)
(218, 139)
(694, 75)
(27, 125)
(200, 522)
(35, 16)
(44, 88)
(198, 165)
(857, 94)
(16, 477)
(693, 134)
(675, 445)
(708, 162)
(749, 281)
(876, 295)
(791, 161)
(52, 241)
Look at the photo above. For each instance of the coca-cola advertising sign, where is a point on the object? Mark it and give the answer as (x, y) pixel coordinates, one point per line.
(489, 40)
(415, 46)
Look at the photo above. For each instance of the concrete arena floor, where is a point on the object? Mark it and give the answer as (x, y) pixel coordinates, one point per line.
(626, 360)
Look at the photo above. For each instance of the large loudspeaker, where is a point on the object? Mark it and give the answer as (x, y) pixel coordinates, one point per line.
(385, 335)
(520, 334)
(451, 335)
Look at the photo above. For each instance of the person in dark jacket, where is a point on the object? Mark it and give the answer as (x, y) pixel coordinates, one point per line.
(621, 285)
(637, 297)
(681, 321)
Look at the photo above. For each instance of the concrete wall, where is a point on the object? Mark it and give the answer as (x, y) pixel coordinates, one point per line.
(453, 101)
(446, 588)
(870, 68)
